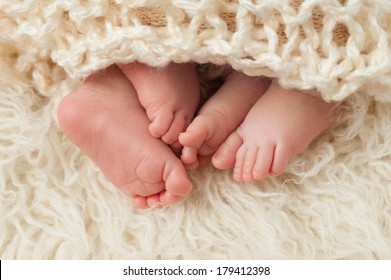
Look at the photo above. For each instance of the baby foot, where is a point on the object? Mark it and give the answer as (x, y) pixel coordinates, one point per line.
(202, 138)
(169, 95)
(105, 119)
(279, 126)
(220, 116)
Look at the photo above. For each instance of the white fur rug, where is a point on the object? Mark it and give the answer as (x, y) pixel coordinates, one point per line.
(334, 201)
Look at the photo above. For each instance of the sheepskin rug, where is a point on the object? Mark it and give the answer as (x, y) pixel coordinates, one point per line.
(333, 201)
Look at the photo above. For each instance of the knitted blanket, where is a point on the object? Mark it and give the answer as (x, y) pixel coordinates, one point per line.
(333, 201)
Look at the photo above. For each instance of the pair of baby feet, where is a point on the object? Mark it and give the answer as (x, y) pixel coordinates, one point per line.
(131, 119)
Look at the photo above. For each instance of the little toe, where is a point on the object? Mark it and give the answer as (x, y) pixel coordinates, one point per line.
(140, 201)
(225, 155)
(167, 198)
(154, 201)
(248, 164)
(163, 199)
(239, 163)
(282, 155)
(263, 161)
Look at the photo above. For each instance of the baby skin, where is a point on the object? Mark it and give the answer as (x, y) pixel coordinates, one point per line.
(220, 116)
(170, 97)
(281, 124)
(106, 119)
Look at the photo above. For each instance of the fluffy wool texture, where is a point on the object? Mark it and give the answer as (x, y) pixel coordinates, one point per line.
(334, 200)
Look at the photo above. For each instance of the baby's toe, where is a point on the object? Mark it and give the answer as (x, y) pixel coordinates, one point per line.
(239, 163)
(248, 163)
(154, 201)
(177, 126)
(162, 199)
(160, 122)
(189, 156)
(225, 155)
(140, 201)
(175, 178)
(282, 155)
(264, 161)
(167, 198)
(195, 134)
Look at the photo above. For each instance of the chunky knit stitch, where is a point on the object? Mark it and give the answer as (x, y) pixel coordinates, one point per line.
(336, 46)
(333, 201)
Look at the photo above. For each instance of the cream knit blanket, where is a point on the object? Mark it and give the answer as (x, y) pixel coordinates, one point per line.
(334, 201)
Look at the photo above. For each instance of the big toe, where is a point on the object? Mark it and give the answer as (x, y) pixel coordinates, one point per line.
(177, 126)
(177, 182)
(195, 134)
(160, 122)
(173, 185)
